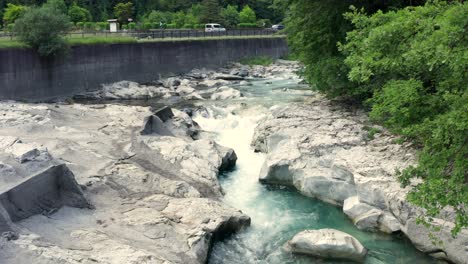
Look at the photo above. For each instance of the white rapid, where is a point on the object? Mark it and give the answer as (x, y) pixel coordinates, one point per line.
(277, 213)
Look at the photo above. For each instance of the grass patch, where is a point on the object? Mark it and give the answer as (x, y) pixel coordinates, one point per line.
(100, 40)
(6, 43)
(259, 60)
(371, 132)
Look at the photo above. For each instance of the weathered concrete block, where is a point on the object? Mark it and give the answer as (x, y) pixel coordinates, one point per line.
(43, 193)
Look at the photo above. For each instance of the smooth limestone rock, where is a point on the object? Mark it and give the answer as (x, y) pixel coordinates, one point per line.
(370, 218)
(147, 209)
(327, 243)
(323, 151)
(32, 182)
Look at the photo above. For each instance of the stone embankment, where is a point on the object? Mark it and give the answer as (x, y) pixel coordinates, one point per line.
(325, 151)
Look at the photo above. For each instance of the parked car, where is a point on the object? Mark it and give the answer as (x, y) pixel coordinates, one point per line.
(277, 27)
(214, 28)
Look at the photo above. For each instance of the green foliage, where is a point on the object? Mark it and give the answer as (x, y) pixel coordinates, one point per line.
(260, 60)
(409, 66)
(79, 14)
(102, 25)
(264, 23)
(132, 26)
(414, 63)
(230, 16)
(43, 29)
(158, 16)
(247, 15)
(442, 165)
(210, 11)
(89, 26)
(12, 13)
(79, 25)
(58, 5)
(179, 19)
(10, 27)
(123, 11)
(247, 25)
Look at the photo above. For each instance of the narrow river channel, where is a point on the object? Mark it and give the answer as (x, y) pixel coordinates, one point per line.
(278, 213)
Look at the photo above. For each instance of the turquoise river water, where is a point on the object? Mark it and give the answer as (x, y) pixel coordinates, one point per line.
(278, 213)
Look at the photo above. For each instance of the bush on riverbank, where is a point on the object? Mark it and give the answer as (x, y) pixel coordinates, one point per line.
(409, 66)
(43, 29)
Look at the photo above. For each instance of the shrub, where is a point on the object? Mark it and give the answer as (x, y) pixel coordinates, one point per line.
(10, 27)
(172, 26)
(79, 14)
(43, 29)
(124, 27)
(80, 25)
(247, 25)
(187, 26)
(247, 15)
(132, 25)
(89, 26)
(102, 25)
(146, 25)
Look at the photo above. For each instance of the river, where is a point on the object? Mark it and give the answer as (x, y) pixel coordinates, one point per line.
(278, 213)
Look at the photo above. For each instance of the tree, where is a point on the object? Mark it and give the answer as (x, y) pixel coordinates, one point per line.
(179, 19)
(43, 29)
(59, 5)
(210, 11)
(123, 11)
(413, 62)
(12, 13)
(230, 16)
(79, 14)
(158, 17)
(247, 15)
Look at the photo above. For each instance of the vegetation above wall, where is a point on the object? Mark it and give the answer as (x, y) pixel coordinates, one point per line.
(409, 65)
(154, 13)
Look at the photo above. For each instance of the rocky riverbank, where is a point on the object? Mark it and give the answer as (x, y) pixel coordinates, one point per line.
(328, 152)
(133, 185)
(138, 184)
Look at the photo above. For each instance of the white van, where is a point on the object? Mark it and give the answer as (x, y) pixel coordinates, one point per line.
(214, 28)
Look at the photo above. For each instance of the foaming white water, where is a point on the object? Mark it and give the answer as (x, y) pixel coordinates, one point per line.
(277, 213)
(242, 186)
(236, 131)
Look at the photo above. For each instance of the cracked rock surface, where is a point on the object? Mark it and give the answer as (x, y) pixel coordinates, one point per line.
(324, 152)
(155, 198)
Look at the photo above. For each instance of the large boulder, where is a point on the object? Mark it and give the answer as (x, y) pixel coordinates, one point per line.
(323, 150)
(327, 243)
(32, 182)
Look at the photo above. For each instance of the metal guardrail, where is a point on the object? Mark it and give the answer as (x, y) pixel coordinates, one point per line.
(163, 33)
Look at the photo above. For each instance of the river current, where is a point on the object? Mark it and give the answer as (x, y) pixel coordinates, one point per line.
(278, 213)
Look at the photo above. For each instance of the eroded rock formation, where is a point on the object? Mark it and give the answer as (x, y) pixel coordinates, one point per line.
(325, 152)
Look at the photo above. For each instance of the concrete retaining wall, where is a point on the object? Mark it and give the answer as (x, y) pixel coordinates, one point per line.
(26, 76)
